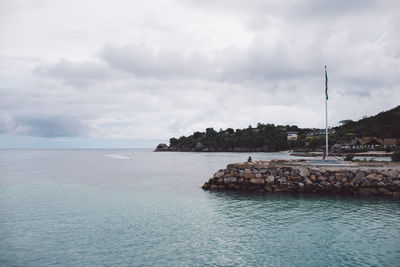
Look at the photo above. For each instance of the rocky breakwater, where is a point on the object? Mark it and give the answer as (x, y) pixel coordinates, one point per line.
(286, 176)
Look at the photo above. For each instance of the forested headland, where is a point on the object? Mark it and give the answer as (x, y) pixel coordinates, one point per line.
(269, 137)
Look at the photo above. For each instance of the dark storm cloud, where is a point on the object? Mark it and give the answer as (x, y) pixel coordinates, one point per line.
(44, 126)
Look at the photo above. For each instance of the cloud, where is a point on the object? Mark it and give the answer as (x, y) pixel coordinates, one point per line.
(227, 65)
(43, 127)
(294, 9)
(144, 61)
(74, 73)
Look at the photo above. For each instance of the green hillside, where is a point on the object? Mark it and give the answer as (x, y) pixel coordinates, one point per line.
(383, 125)
(270, 137)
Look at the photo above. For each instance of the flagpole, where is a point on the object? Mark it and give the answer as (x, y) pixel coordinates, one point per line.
(326, 114)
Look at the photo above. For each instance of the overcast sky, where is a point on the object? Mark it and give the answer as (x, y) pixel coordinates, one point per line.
(135, 73)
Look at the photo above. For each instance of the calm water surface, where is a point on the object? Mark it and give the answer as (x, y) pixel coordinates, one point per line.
(136, 207)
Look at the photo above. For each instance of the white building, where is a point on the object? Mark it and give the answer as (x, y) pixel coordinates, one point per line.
(292, 136)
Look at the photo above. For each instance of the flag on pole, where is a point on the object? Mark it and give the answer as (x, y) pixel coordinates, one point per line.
(326, 84)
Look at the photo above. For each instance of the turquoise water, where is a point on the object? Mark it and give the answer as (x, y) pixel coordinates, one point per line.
(139, 208)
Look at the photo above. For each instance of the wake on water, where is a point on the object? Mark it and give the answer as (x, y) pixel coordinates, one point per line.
(118, 156)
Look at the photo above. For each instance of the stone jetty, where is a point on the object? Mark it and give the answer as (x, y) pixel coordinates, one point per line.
(279, 176)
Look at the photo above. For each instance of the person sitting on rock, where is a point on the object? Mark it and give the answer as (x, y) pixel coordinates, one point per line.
(249, 159)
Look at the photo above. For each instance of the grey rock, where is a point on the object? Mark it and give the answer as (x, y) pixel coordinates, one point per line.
(308, 181)
(380, 184)
(304, 172)
(367, 191)
(391, 173)
(341, 177)
(396, 183)
(384, 191)
(270, 179)
(229, 180)
(199, 146)
(282, 180)
(219, 174)
(388, 180)
(357, 178)
(374, 176)
(338, 185)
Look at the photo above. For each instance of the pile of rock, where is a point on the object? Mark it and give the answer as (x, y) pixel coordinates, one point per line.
(280, 176)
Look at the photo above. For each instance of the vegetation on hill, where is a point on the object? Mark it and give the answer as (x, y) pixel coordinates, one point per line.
(396, 156)
(265, 137)
(383, 125)
(270, 137)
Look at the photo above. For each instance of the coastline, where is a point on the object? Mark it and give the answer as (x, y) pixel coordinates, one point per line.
(165, 148)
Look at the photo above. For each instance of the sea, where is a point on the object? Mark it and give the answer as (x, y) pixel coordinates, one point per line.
(144, 208)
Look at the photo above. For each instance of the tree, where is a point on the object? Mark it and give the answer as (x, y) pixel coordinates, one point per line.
(197, 135)
(396, 156)
(173, 141)
(210, 131)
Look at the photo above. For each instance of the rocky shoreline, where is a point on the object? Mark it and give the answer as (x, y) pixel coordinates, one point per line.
(293, 177)
(201, 148)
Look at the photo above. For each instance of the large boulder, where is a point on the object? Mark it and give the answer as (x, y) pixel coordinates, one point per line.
(304, 172)
(384, 191)
(248, 174)
(341, 177)
(219, 174)
(162, 147)
(270, 179)
(229, 180)
(374, 176)
(367, 191)
(357, 179)
(199, 146)
(391, 173)
(257, 181)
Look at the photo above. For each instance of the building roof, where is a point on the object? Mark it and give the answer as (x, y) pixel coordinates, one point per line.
(376, 140)
(369, 140)
(390, 141)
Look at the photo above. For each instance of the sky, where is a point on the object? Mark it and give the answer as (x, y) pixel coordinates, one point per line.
(132, 74)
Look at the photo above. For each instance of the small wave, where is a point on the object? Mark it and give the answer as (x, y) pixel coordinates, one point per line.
(117, 156)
